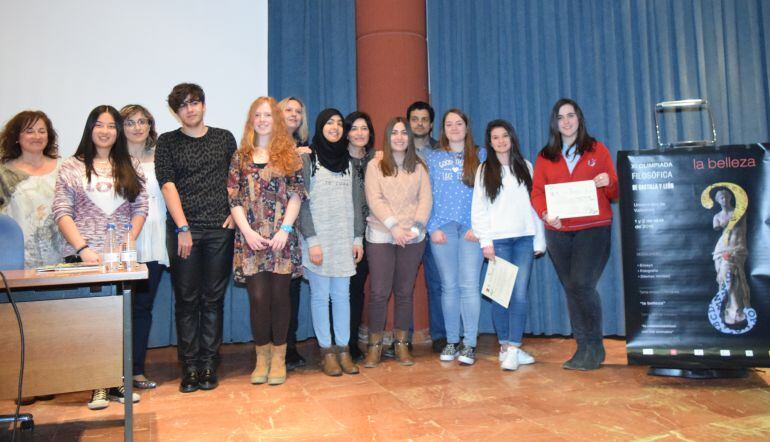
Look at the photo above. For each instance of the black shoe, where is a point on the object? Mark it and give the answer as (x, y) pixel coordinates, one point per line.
(356, 352)
(26, 400)
(293, 359)
(190, 381)
(438, 345)
(594, 357)
(577, 360)
(209, 379)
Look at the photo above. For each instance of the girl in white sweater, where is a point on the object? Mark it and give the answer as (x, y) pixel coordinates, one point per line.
(507, 226)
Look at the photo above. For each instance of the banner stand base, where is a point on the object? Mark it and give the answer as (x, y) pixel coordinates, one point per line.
(699, 373)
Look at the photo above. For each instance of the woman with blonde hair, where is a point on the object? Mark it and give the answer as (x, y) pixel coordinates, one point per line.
(295, 119)
(265, 189)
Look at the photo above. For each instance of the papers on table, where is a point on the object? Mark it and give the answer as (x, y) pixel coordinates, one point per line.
(572, 200)
(499, 281)
(69, 267)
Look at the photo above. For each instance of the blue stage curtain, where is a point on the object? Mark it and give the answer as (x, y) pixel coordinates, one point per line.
(616, 58)
(311, 55)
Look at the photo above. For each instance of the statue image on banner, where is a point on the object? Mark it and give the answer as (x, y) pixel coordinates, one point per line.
(730, 310)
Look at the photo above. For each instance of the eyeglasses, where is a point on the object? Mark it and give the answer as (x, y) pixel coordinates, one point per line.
(191, 103)
(138, 123)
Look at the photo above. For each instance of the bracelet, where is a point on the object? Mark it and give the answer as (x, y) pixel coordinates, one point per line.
(184, 228)
(287, 228)
(81, 249)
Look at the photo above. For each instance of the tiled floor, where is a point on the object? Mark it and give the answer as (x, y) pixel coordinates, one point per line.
(428, 401)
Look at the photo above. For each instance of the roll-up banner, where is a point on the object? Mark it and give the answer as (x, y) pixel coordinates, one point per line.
(695, 226)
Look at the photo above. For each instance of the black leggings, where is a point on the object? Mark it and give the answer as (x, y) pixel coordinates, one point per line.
(270, 307)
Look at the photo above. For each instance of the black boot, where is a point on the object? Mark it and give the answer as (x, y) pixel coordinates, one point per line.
(294, 360)
(594, 356)
(576, 361)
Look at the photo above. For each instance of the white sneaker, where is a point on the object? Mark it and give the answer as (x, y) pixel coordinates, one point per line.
(119, 394)
(449, 353)
(501, 354)
(99, 399)
(525, 358)
(511, 361)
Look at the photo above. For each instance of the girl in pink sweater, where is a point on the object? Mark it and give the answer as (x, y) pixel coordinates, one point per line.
(399, 197)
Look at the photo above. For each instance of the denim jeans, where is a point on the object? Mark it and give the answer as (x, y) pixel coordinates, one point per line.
(579, 258)
(141, 312)
(322, 289)
(509, 322)
(433, 284)
(459, 265)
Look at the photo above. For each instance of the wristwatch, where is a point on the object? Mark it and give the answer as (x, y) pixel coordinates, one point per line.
(184, 228)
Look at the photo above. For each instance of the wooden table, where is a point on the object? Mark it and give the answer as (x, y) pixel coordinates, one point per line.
(71, 342)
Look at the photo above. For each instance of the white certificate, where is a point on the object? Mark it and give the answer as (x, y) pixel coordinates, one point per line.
(499, 281)
(572, 200)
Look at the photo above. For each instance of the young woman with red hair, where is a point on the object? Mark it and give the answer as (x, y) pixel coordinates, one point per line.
(265, 189)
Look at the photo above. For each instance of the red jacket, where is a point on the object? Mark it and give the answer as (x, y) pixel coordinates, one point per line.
(588, 166)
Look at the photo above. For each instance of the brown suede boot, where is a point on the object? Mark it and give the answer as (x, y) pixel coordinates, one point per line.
(330, 365)
(346, 360)
(402, 348)
(259, 375)
(278, 366)
(374, 352)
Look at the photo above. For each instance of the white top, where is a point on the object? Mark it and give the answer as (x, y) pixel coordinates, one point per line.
(151, 244)
(511, 214)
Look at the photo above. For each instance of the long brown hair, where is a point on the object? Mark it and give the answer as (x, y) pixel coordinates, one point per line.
(584, 142)
(492, 170)
(470, 150)
(127, 182)
(388, 165)
(282, 153)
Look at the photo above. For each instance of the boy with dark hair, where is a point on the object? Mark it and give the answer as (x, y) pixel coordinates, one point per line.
(192, 164)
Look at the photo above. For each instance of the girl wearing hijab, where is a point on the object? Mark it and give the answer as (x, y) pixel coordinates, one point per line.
(332, 228)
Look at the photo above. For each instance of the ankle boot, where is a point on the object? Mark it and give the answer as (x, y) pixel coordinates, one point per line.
(402, 348)
(259, 375)
(346, 361)
(576, 361)
(278, 366)
(330, 365)
(374, 351)
(594, 356)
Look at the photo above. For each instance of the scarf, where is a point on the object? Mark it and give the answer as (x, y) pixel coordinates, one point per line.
(332, 156)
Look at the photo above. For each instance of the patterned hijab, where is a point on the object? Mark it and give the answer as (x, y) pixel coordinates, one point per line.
(332, 156)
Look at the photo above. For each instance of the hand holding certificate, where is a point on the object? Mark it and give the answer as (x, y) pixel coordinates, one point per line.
(499, 281)
(572, 200)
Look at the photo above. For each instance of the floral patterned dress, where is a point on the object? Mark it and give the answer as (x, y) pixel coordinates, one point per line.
(264, 195)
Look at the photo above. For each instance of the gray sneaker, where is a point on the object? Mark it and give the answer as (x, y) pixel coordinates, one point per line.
(449, 353)
(467, 355)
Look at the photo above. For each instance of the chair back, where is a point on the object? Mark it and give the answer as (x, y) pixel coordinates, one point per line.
(11, 244)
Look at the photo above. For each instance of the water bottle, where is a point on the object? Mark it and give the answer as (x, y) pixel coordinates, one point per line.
(111, 252)
(128, 251)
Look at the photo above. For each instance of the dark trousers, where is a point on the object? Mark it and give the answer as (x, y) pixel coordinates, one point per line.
(579, 258)
(141, 312)
(394, 268)
(295, 288)
(357, 282)
(200, 282)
